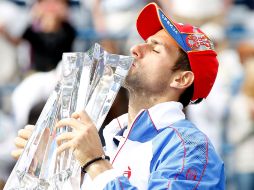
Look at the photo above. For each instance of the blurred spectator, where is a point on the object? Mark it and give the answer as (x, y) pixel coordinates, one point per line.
(33, 90)
(241, 130)
(8, 55)
(2, 184)
(113, 22)
(247, 3)
(196, 12)
(8, 61)
(7, 136)
(240, 24)
(245, 50)
(49, 34)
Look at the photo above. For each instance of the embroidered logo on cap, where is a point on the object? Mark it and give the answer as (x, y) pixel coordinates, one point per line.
(166, 21)
(199, 42)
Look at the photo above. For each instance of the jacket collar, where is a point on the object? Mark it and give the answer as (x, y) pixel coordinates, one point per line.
(147, 123)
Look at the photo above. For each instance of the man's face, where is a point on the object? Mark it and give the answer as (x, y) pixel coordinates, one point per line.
(154, 59)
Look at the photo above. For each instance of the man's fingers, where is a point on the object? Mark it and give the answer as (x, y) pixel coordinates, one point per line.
(30, 127)
(64, 147)
(75, 115)
(20, 142)
(16, 153)
(64, 136)
(73, 123)
(84, 117)
(25, 133)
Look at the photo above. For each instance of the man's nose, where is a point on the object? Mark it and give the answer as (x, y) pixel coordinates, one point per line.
(138, 51)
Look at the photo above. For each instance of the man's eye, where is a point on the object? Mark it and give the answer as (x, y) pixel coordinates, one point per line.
(156, 51)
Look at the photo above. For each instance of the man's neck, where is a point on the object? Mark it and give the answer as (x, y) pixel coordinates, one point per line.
(138, 102)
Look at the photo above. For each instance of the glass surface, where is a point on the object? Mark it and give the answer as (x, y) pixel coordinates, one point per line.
(89, 81)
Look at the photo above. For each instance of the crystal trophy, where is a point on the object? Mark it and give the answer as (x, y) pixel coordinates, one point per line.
(90, 81)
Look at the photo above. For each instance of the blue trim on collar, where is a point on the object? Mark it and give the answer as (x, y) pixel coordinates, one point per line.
(143, 128)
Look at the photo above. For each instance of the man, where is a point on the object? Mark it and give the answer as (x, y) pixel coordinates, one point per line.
(153, 146)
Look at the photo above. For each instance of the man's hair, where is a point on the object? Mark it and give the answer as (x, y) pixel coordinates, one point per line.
(183, 64)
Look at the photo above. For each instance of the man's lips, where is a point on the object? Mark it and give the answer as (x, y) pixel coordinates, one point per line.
(134, 63)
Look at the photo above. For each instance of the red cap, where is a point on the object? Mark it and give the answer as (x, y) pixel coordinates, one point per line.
(190, 39)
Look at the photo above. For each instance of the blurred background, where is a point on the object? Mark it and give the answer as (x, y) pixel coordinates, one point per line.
(35, 33)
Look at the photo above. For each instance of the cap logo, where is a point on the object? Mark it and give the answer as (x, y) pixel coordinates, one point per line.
(166, 21)
(199, 42)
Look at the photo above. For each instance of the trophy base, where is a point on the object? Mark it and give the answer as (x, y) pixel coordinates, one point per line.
(59, 181)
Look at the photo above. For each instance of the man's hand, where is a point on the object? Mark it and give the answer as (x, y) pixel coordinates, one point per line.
(84, 140)
(21, 140)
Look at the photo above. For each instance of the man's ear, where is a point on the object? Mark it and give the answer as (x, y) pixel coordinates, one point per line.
(182, 79)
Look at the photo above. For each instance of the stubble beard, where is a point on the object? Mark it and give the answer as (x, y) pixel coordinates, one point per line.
(133, 82)
(129, 82)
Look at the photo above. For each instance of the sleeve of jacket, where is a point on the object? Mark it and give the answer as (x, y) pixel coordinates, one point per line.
(110, 180)
(185, 160)
(166, 177)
